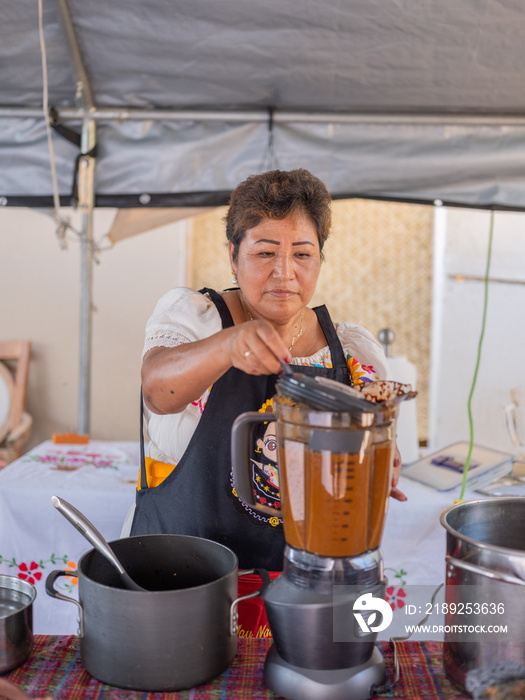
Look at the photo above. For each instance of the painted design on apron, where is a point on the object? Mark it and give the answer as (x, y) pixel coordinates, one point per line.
(265, 470)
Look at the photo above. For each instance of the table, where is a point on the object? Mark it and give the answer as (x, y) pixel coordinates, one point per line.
(414, 549)
(54, 668)
(98, 478)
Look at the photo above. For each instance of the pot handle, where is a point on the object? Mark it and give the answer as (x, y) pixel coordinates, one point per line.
(51, 591)
(234, 615)
(241, 433)
(483, 571)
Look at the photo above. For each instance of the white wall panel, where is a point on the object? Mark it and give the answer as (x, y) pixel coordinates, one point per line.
(458, 315)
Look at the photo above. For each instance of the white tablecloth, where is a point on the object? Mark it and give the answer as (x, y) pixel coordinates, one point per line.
(414, 549)
(413, 539)
(99, 479)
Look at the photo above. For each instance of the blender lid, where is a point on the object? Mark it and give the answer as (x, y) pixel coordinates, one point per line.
(328, 395)
(323, 394)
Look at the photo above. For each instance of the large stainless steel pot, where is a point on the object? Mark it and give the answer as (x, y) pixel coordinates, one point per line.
(16, 621)
(485, 582)
(180, 633)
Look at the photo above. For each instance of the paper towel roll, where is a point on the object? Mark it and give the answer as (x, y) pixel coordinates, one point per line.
(407, 438)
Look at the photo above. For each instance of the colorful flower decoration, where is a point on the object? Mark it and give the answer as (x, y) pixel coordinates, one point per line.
(70, 459)
(395, 597)
(73, 580)
(32, 573)
(201, 405)
(355, 370)
(29, 573)
(267, 406)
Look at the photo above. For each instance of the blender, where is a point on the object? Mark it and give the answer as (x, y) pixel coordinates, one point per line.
(335, 459)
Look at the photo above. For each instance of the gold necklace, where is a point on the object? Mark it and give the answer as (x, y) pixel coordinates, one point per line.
(300, 332)
(247, 313)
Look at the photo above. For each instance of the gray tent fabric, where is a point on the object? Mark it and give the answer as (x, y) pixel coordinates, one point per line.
(414, 99)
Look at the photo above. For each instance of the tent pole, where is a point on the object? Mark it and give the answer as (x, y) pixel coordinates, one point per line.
(121, 114)
(86, 198)
(86, 183)
(79, 70)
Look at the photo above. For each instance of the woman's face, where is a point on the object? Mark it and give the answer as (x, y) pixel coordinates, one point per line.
(278, 266)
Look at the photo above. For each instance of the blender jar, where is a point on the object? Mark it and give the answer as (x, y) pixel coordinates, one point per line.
(335, 470)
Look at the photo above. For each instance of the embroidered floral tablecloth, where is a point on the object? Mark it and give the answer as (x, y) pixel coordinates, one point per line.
(98, 478)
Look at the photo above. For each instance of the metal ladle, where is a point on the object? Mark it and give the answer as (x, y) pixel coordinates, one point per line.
(90, 532)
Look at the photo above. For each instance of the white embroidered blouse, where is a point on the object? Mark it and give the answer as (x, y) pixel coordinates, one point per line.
(183, 315)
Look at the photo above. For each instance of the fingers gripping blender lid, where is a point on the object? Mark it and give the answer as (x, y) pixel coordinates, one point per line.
(321, 393)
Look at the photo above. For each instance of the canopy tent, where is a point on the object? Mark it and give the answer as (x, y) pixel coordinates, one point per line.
(174, 103)
(411, 100)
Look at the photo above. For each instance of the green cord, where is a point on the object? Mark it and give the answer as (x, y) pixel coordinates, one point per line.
(485, 304)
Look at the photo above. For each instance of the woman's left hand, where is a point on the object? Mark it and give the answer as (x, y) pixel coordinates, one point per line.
(394, 491)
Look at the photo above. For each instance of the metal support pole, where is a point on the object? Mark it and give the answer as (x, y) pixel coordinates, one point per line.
(81, 76)
(126, 114)
(86, 198)
(86, 176)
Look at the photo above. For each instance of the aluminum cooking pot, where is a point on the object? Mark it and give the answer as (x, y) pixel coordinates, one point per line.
(179, 633)
(485, 589)
(16, 621)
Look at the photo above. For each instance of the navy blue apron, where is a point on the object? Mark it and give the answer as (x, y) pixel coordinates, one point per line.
(198, 497)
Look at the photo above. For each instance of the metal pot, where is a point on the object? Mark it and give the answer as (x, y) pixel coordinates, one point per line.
(485, 582)
(16, 621)
(179, 633)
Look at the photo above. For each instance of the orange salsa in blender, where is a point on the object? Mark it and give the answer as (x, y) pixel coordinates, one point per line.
(334, 477)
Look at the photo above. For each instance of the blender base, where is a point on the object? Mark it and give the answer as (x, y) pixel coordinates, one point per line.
(296, 683)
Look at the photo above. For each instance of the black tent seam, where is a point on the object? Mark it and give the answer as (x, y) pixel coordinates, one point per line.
(220, 198)
(64, 131)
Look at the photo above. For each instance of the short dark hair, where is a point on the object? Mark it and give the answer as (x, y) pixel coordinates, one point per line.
(274, 195)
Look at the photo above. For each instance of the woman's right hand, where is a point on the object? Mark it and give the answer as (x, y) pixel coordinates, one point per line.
(174, 377)
(256, 348)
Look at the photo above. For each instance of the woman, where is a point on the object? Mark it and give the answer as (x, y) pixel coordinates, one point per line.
(210, 356)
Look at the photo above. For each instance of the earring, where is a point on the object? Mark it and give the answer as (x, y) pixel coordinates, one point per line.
(234, 278)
